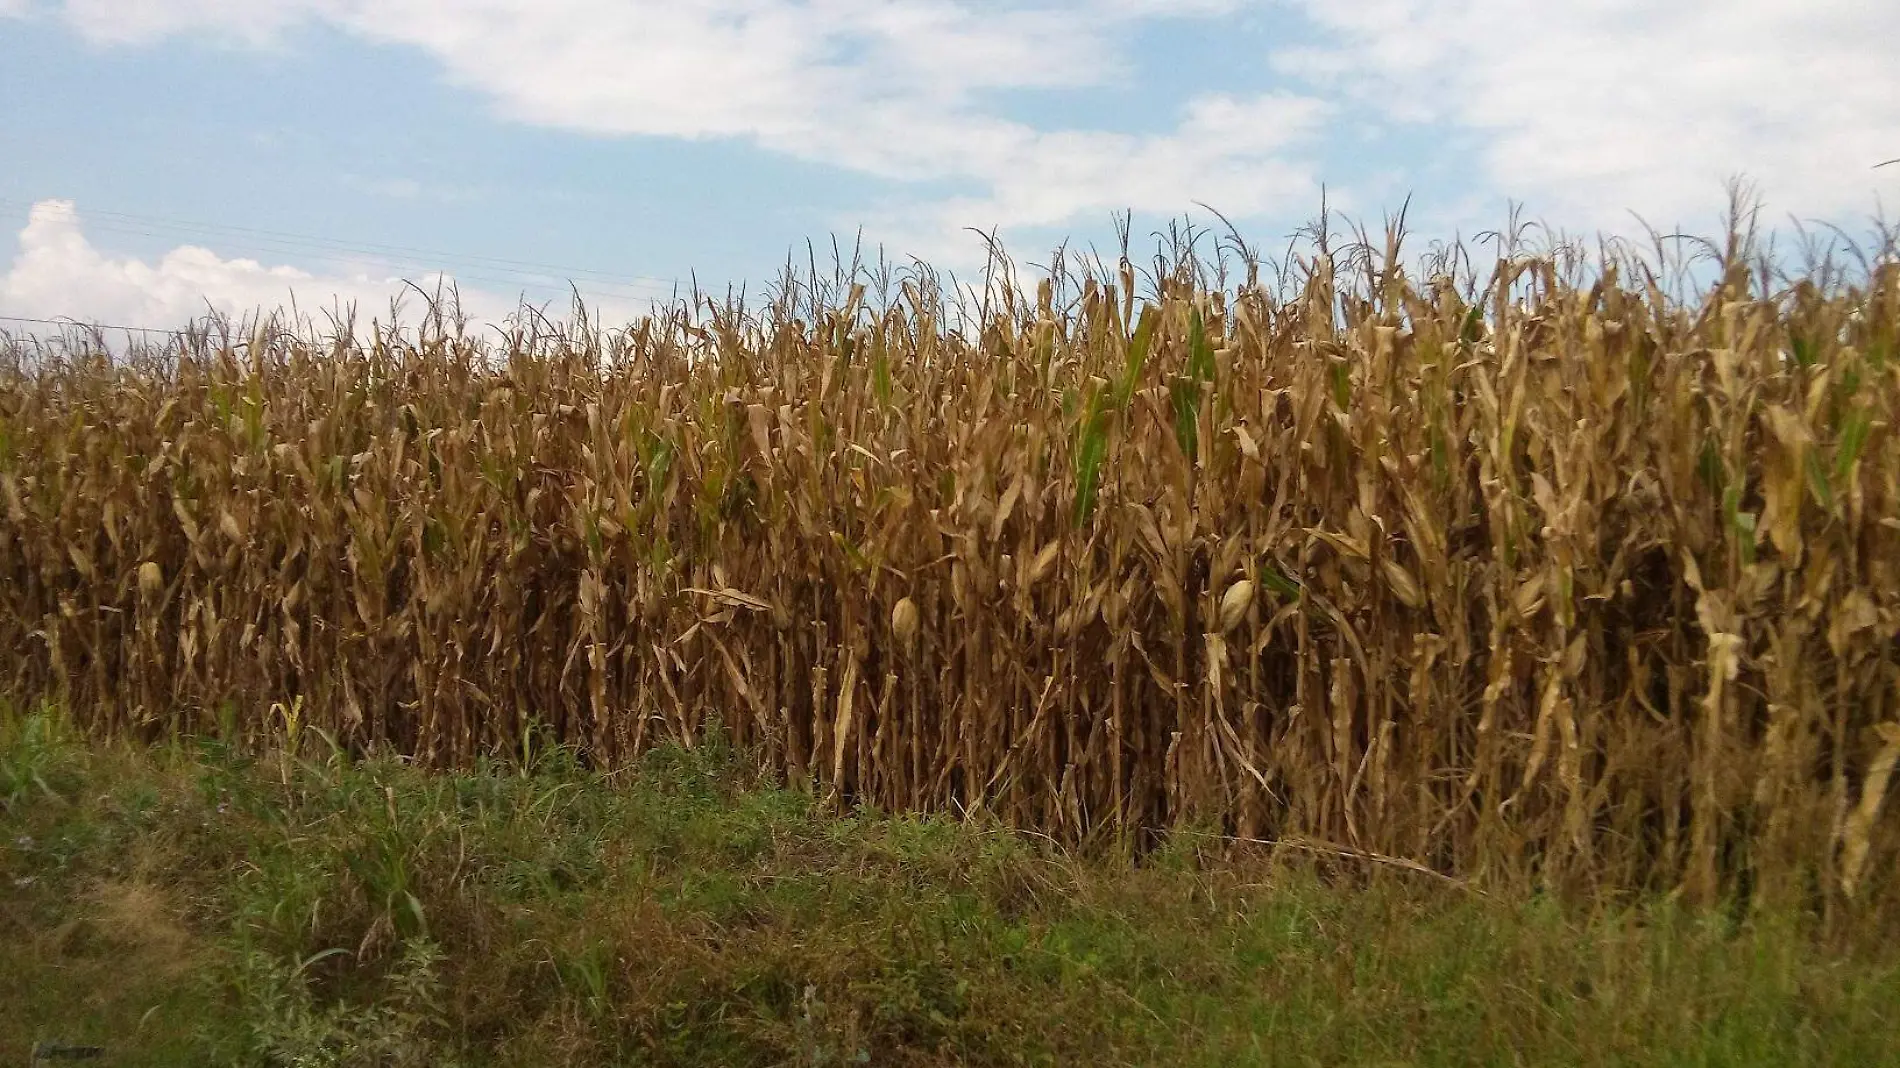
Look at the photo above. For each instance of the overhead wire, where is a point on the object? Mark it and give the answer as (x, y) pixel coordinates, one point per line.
(420, 267)
(511, 272)
(359, 247)
(77, 324)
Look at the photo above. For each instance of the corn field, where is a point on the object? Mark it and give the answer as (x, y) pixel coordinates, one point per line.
(1547, 572)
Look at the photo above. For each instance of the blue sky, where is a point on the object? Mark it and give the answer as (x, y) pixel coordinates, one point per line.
(169, 155)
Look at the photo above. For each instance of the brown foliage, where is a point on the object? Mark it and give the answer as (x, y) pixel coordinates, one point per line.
(1576, 580)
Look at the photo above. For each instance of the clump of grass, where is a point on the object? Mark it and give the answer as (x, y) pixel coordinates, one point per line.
(31, 757)
(192, 904)
(1548, 576)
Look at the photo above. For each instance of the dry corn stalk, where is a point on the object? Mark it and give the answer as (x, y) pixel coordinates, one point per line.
(1509, 576)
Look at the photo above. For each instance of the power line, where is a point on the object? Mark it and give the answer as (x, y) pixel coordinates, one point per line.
(286, 242)
(587, 292)
(77, 325)
(80, 324)
(360, 248)
(335, 257)
(459, 270)
(588, 288)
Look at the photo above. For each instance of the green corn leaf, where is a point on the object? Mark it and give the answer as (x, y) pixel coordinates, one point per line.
(1137, 356)
(1185, 394)
(1200, 350)
(1282, 586)
(1818, 481)
(1853, 438)
(881, 375)
(1473, 328)
(1804, 350)
(1091, 448)
(1710, 466)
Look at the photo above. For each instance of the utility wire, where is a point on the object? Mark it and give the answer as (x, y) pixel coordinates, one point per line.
(79, 325)
(633, 289)
(365, 248)
(587, 288)
(287, 242)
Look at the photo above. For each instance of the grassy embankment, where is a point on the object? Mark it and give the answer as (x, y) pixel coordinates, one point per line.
(1551, 574)
(191, 904)
(1476, 594)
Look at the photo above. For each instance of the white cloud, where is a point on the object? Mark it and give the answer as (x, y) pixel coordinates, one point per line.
(891, 88)
(1584, 110)
(58, 273)
(780, 71)
(1592, 109)
(1232, 154)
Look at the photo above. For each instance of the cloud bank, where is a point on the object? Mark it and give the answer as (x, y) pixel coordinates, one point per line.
(59, 268)
(1585, 111)
(1588, 109)
(1592, 109)
(904, 90)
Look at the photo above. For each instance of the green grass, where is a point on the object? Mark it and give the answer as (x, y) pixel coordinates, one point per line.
(193, 905)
